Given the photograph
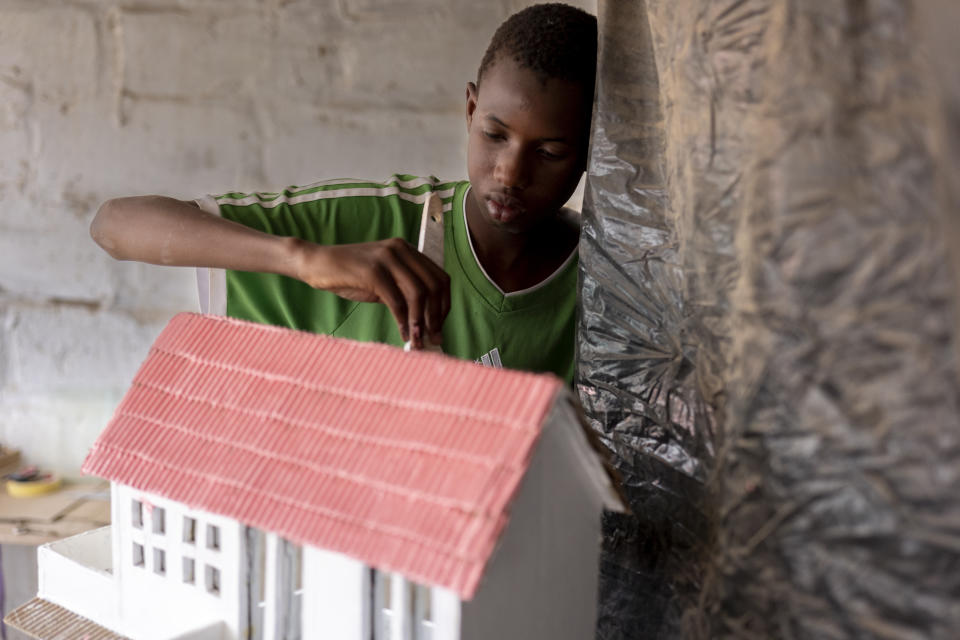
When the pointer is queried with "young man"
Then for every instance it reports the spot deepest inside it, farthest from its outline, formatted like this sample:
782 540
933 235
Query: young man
316 257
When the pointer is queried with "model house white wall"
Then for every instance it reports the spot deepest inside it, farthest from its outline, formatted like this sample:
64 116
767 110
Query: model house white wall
345 598
134 577
163 571
541 582
546 564
77 573
208 568
276 591
172 559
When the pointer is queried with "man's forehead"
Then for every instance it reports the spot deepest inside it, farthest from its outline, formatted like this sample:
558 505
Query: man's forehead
545 129
515 96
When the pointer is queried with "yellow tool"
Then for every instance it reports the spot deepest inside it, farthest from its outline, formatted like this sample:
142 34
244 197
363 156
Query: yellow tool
29 482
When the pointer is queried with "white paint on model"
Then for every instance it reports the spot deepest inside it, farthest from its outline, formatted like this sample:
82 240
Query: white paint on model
339 593
533 576
401 624
446 614
75 573
167 601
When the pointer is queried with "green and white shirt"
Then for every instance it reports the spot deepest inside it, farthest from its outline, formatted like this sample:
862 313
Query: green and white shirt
531 329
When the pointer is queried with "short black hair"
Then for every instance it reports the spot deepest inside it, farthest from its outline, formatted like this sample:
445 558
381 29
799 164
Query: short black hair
553 40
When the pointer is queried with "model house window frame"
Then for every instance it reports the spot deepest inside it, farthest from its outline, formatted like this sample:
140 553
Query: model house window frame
149 545
402 609
160 561
188 570
158 520
424 616
386 610
208 554
189 530
282 583
138 555
136 513
212 536
212 579
165 542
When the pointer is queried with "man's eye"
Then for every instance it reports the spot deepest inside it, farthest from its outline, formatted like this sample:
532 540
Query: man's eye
493 135
546 153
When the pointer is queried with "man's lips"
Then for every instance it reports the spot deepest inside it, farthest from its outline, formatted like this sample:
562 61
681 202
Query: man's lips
504 208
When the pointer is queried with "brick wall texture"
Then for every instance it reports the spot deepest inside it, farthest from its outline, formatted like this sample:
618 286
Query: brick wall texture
106 98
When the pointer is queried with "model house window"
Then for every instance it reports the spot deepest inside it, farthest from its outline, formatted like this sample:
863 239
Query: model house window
384 606
189 570
159 562
212 579
137 555
157 518
278 570
189 530
422 612
296 603
256 543
136 515
402 609
213 537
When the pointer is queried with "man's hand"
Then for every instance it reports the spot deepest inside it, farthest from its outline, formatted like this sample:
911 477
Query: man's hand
172 232
391 271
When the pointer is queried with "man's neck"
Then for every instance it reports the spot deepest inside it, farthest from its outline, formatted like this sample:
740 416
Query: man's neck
518 261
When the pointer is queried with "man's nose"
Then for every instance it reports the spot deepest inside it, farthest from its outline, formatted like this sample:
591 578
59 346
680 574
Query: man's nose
511 170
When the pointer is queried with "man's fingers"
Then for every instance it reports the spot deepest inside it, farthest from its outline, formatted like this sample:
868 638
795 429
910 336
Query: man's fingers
433 292
415 309
386 289
427 290
404 271
392 271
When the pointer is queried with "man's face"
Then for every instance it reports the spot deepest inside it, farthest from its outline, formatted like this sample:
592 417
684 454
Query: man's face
526 147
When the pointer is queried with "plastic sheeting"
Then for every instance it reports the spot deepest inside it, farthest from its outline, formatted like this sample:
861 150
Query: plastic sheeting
768 327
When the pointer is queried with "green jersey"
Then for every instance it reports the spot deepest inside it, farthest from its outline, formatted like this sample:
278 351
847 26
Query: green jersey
531 329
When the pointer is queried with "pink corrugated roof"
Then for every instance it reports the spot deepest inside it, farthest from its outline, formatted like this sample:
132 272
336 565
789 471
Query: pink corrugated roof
406 461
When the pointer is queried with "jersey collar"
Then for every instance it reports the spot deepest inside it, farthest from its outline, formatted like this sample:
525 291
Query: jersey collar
481 281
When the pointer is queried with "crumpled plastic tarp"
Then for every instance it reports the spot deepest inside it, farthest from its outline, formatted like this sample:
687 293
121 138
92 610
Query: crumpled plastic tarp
768 338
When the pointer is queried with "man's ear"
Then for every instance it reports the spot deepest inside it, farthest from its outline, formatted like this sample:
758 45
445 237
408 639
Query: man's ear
471 102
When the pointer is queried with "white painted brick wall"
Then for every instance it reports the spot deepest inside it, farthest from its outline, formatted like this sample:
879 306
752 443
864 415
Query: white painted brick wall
100 98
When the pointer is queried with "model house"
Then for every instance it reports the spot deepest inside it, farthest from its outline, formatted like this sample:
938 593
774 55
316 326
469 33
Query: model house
269 483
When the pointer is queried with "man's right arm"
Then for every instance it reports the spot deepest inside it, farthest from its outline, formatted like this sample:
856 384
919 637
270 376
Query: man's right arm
166 231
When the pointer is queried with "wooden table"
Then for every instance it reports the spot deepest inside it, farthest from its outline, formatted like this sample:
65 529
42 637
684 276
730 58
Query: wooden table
78 506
